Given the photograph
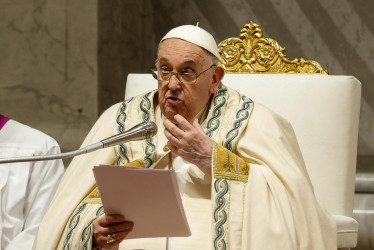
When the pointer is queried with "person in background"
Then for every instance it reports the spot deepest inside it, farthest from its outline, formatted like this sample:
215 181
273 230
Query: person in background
26 188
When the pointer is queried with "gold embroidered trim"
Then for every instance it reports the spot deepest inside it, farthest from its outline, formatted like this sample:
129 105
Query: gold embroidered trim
136 164
227 165
93 197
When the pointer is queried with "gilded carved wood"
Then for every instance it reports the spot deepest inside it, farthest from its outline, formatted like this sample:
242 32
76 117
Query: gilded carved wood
251 53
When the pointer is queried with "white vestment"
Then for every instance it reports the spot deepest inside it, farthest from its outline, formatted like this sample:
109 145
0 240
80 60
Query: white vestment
26 188
259 197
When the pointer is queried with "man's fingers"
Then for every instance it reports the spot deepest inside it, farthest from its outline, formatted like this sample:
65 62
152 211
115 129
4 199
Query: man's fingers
196 125
118 237
173 148
173 129
171 137
117 230
122 232
183 123
117 227
110 219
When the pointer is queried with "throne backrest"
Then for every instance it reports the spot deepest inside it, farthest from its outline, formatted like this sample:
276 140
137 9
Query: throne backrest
323 109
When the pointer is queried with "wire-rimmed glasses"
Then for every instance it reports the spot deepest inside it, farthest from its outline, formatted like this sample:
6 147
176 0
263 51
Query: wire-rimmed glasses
185 76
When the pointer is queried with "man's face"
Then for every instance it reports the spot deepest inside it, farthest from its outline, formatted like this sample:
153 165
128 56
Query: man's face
184 99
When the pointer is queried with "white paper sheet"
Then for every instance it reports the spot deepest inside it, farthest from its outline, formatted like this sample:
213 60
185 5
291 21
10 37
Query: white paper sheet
148 197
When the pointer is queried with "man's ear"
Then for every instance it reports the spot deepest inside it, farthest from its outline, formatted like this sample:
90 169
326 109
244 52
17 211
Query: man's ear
216 79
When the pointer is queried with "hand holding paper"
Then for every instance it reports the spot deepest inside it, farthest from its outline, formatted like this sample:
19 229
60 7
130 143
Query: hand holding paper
147 197
110 230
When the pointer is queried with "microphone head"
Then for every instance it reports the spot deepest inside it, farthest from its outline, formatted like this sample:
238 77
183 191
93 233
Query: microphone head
144 130
150 129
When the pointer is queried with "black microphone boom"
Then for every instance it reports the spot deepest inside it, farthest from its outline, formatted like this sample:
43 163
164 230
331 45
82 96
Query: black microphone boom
141 131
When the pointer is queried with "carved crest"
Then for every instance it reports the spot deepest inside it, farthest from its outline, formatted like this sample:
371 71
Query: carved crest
251 53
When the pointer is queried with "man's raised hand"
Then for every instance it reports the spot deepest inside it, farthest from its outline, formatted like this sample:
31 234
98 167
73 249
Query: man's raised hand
190 142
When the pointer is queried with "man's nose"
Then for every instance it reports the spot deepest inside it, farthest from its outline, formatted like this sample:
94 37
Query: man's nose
174 82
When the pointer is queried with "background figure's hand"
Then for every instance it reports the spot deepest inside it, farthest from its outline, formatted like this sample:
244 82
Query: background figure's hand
115 225
190 142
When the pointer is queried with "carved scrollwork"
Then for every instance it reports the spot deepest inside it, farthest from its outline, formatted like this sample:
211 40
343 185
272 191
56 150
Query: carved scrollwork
251 53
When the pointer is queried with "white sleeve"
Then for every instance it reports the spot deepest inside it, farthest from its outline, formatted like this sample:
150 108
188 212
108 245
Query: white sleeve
43 182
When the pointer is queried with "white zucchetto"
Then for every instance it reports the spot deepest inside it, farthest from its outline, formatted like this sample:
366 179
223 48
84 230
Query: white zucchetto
195 35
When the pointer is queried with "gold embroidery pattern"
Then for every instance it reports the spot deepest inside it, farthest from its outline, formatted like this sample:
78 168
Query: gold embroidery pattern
93 197
229 166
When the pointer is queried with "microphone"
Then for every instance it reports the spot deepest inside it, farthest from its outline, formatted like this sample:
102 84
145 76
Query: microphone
141 131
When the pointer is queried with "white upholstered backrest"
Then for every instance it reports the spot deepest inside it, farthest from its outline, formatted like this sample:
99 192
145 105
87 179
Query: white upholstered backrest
324 112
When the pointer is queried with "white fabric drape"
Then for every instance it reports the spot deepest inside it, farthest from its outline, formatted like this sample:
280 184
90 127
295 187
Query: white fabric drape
26 188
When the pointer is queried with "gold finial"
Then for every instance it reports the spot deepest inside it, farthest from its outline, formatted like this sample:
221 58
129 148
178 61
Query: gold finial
251 53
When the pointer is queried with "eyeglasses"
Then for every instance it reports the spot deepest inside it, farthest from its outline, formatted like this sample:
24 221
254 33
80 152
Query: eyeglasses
185 76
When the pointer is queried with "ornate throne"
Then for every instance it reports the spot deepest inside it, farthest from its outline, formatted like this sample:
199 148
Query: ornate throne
323 110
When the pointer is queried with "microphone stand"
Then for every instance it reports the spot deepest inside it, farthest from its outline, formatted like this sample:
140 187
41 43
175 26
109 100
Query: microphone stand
141 131
84 150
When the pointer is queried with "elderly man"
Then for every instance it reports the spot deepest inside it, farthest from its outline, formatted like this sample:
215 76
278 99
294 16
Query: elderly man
246 186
